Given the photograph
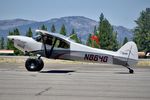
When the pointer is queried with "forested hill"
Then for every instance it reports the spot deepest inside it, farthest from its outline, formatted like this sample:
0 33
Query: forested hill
82 25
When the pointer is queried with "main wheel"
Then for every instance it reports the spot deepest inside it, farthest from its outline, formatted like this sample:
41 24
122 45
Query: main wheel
34 64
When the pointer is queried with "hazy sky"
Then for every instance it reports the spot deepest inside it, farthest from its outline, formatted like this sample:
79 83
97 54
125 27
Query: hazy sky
118 12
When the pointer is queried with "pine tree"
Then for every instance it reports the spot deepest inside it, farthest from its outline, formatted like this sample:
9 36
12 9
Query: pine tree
95 30
115 44
53 28
10 44
73 31
2 44
89 41
142 31
63 30
74 36
43 27
125 40
29 32
106 34
16 31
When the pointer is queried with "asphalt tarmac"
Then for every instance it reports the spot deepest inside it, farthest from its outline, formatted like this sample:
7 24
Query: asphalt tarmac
67 81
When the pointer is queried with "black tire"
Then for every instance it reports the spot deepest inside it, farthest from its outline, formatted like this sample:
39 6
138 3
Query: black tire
41 64
34 64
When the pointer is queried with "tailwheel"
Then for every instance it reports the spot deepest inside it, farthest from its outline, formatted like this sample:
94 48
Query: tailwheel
34 64
131 71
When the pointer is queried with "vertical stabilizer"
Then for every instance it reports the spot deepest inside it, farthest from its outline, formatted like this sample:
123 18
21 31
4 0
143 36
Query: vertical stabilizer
129 52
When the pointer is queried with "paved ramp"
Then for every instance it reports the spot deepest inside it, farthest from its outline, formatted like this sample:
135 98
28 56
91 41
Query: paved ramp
60 81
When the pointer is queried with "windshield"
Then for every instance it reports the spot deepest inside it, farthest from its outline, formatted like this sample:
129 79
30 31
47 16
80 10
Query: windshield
37 38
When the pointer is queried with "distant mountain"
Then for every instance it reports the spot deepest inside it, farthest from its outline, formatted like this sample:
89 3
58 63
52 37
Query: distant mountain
122 33
82 25
7 24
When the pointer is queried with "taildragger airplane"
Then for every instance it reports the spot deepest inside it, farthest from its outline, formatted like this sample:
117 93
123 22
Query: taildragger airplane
57 46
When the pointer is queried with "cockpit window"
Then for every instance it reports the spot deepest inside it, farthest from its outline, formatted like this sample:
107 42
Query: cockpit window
49 40
62 44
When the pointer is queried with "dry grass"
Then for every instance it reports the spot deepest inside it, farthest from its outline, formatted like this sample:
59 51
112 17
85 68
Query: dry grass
143 63
11 60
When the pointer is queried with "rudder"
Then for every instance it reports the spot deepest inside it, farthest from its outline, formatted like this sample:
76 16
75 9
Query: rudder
129 51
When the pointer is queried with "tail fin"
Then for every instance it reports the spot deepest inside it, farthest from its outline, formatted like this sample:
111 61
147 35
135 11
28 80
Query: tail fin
129 52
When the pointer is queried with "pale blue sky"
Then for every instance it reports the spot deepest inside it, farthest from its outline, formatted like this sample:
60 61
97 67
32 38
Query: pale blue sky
118 12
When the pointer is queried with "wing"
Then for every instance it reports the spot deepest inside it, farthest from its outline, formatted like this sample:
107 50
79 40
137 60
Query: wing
56 35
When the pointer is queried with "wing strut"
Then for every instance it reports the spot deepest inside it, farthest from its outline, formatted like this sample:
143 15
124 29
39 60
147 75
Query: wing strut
46 52
52 47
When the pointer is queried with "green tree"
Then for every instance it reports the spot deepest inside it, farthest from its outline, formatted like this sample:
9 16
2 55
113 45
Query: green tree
95 30
63 30
53 28
115 44
74 36
16 31
89 41
29 32
73 31
106 34
43 27
10 43
142 31
2 44
95 45
125 40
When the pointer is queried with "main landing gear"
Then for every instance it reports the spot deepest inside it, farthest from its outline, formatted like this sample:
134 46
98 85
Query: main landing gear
34 64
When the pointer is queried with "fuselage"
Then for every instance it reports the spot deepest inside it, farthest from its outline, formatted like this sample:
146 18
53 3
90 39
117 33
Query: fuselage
76 52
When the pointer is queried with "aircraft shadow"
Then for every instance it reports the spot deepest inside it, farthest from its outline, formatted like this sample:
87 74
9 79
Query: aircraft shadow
122 73
58 71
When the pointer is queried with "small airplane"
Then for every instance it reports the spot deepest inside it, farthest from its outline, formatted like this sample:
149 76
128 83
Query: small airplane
57 46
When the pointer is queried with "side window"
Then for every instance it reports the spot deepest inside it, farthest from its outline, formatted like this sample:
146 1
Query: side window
63 44
48 40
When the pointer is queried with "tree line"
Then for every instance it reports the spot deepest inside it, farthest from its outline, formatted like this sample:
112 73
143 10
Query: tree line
102 37
29 33
107 38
